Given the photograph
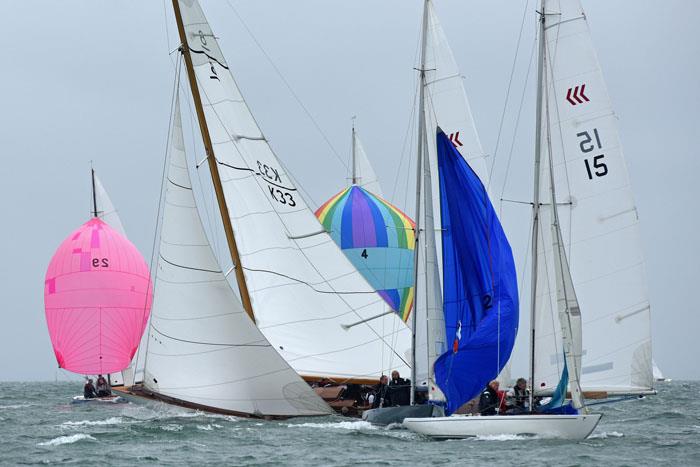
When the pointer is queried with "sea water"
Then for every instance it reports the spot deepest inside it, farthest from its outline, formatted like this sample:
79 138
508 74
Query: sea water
39 425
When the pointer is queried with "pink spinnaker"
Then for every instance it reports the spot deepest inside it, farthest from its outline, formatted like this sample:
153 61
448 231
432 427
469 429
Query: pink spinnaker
97 296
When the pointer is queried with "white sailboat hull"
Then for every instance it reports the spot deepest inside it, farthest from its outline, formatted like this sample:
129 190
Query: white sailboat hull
573 427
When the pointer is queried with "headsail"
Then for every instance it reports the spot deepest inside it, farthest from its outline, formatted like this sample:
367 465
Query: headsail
302 286
202 347
104 207
479 288
598 221
362 170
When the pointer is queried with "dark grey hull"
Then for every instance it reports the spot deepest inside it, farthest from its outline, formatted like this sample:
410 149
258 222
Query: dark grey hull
389 415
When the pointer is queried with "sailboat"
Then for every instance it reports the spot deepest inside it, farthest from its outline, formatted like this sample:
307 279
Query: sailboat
657 374
260 341
466 312
97 294
587 265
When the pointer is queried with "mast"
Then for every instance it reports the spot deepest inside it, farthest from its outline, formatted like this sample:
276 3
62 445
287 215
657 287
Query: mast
213 167
536 201
419 168
94 194
354 164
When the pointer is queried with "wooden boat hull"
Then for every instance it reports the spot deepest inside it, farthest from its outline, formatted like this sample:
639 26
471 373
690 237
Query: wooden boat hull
572 427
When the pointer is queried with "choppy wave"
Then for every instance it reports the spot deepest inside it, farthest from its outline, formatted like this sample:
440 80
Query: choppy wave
208 427
172 427
606 435
349 425
67 439
14 406
109 421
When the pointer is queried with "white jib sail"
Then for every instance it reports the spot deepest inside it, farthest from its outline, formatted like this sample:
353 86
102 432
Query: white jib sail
363 172
302 286
105 208
202 346
598 220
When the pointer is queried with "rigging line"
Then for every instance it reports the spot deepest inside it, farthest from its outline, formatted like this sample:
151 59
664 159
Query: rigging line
289 87
166 158
517 123
406 142
411 120
507 98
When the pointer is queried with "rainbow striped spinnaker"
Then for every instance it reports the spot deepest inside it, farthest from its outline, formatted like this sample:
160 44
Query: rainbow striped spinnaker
378 239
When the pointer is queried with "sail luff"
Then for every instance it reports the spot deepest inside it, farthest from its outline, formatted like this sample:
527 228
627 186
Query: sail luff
213 165
568 307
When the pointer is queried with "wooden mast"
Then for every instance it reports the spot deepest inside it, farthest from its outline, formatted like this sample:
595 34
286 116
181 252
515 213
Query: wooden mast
213 166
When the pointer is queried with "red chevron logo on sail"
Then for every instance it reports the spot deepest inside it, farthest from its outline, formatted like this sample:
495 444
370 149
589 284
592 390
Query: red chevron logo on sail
576 96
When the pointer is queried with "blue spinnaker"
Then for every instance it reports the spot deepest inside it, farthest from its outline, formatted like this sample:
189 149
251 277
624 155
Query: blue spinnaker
480 289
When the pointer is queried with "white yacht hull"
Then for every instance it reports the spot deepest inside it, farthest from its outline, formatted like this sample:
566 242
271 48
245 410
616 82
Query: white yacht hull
573 427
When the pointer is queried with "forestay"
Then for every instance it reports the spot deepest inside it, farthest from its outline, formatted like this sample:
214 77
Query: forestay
598 220
202 346
302 286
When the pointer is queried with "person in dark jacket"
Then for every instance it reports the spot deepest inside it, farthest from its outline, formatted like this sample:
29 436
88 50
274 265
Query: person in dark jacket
382 394
89 390
103 389
400 389
489 400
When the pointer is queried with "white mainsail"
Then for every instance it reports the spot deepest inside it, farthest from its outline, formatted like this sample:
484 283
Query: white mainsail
362 172
302 286
202 346
597 218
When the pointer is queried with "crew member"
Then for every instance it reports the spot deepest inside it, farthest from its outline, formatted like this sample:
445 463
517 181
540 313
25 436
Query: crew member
382 396
400 389
89 390
103 389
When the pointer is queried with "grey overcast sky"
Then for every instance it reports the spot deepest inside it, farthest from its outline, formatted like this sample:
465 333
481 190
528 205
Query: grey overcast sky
86 80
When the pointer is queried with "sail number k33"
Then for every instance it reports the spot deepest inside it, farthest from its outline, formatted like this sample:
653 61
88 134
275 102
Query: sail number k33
595 165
